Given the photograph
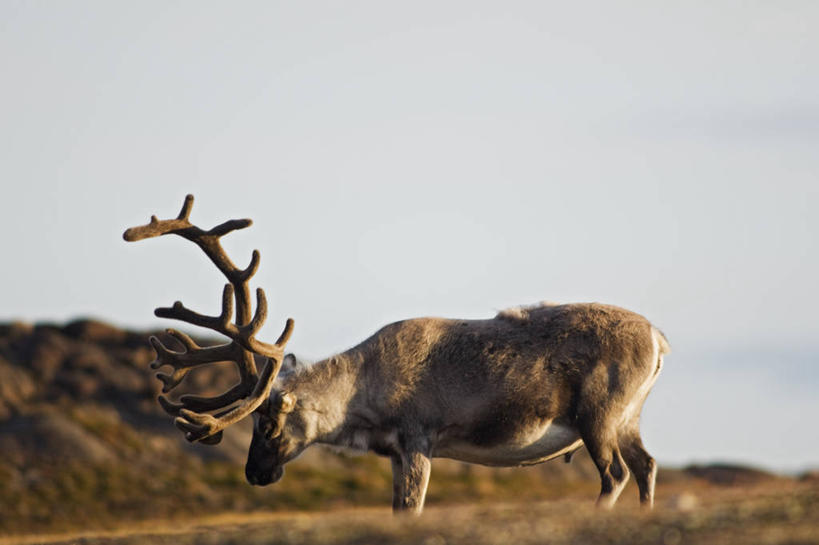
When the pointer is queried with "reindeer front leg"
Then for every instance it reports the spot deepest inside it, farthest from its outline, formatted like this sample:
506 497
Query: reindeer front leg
414 478
397 483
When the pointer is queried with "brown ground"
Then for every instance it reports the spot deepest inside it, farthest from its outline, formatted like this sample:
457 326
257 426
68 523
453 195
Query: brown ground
786 513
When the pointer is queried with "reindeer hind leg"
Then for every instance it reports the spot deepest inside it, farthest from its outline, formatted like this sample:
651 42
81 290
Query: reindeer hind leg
602 445
641 464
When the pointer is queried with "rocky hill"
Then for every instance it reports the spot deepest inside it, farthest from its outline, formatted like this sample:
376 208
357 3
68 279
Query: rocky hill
84 442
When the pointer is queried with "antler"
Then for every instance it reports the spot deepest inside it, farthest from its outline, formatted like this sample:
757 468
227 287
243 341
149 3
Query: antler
192 412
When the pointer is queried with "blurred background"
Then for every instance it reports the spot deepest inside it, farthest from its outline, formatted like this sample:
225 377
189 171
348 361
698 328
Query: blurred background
438 158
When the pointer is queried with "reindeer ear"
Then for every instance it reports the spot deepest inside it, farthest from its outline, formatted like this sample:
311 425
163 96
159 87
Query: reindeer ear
288 402
289 365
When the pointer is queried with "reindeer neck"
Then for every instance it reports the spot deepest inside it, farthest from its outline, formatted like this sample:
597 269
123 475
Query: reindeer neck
324 391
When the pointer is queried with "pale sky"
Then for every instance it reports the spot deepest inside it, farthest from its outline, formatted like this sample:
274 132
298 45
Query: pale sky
439 158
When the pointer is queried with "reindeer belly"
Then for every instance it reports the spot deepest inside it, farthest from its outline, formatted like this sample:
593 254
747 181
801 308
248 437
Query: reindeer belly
530 446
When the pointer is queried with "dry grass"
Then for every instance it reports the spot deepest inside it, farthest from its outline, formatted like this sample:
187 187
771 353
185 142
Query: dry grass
762 514
60 497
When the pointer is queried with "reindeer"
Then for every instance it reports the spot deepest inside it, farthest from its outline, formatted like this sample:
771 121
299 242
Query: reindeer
529 385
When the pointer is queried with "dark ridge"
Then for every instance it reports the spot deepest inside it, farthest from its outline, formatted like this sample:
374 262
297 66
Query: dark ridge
729 474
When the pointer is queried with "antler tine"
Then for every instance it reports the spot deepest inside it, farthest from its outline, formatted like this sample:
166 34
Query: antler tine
169 406
201 404
190 344
286 332
251 269
187 206
229 226
182 362
193 355
157 227
220 323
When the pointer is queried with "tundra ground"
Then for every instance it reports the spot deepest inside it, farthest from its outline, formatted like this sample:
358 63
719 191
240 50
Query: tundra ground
758 514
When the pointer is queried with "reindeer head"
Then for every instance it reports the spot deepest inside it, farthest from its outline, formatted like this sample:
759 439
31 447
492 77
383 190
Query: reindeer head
279 430
277 438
